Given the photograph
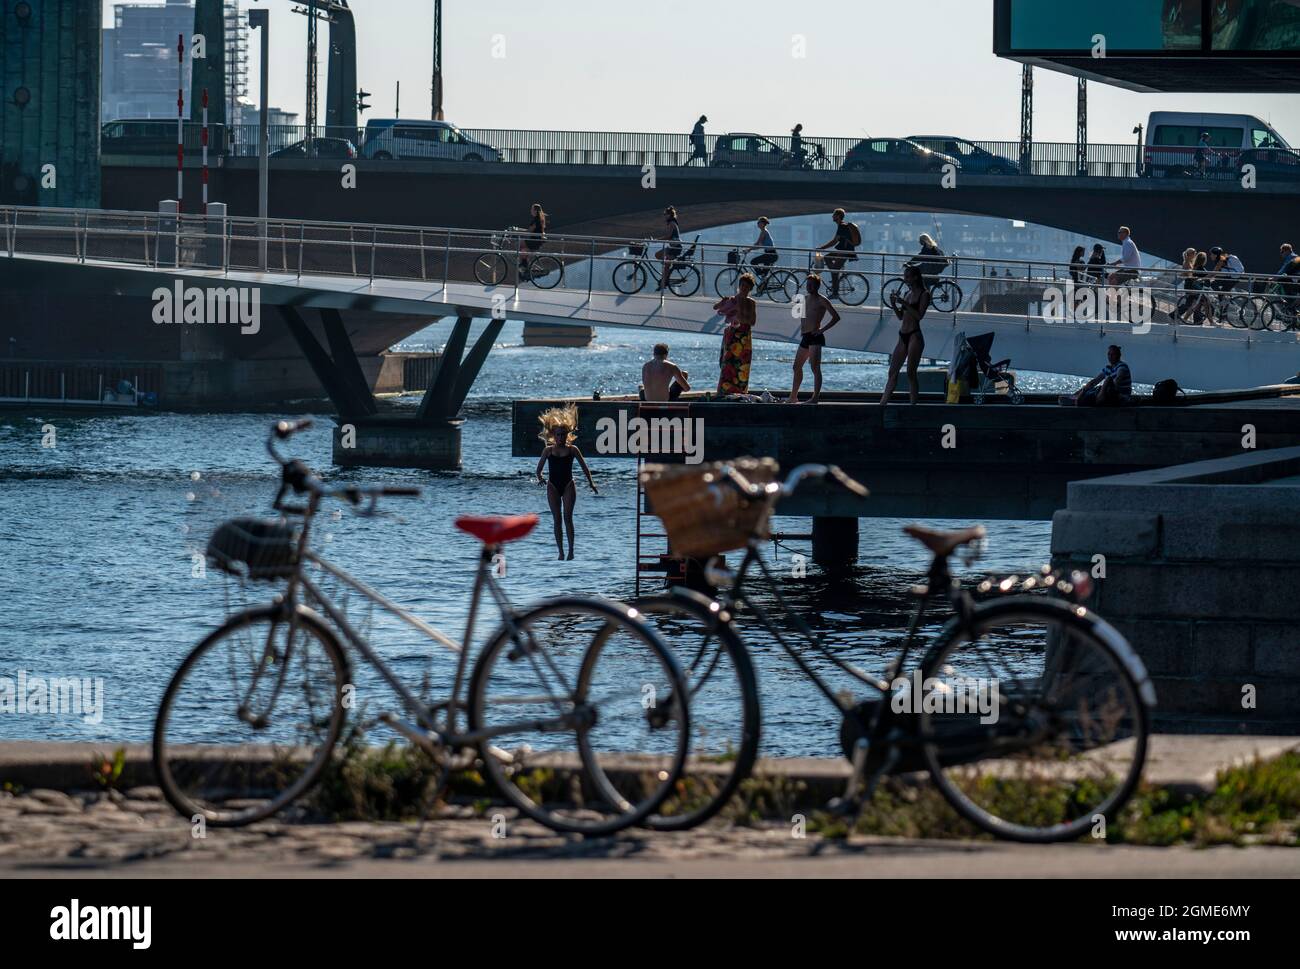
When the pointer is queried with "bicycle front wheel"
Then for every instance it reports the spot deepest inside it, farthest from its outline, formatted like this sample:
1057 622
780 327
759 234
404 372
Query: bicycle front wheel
545 272
629 277
726 282
782 286
581 716
893 287
250 717
1035 719
684 281
945 296
490 269
725 719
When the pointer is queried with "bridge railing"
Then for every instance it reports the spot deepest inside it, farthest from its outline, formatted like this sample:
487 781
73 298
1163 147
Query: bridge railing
437 256
775 152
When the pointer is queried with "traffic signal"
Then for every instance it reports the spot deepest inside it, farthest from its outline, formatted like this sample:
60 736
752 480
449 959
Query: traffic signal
361 101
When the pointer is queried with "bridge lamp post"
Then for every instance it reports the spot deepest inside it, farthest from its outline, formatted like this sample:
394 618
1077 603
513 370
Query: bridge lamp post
261 19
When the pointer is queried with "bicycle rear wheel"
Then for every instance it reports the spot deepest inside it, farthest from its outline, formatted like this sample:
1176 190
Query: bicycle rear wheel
1067 710
250 717
725 720
854 289
684 281
545 272
945 296
582 714
490 269
629 277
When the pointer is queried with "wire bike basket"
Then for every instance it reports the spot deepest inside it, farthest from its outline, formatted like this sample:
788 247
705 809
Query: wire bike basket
703 514
254 549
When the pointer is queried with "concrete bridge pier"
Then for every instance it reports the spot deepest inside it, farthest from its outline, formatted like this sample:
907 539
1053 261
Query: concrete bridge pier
835 542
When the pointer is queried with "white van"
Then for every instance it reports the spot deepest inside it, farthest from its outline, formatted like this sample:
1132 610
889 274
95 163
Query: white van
1173 138
389 138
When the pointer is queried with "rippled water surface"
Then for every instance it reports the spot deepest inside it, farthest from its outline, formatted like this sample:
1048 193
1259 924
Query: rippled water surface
97 536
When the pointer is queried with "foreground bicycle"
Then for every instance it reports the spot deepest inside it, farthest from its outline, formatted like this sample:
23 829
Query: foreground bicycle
1032 715
492 268
251 718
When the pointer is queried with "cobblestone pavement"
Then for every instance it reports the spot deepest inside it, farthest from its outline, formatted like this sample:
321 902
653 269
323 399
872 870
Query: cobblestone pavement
135 832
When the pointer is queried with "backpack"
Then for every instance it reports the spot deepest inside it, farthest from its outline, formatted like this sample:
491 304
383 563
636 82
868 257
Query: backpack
855 234
1166 393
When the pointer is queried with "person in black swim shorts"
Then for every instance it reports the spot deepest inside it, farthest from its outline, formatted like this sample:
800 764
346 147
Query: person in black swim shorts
815 308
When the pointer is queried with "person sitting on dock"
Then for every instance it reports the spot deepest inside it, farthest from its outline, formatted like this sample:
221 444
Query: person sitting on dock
1112 387
816 306
661 379
559 431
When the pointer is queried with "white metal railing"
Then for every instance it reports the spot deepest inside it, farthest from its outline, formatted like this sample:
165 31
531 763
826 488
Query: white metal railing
610 265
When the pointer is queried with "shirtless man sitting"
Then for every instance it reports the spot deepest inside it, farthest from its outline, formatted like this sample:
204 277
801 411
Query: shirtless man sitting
661 379
816 306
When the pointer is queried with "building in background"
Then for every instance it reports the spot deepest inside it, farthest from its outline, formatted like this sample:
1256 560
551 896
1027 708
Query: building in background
49 113
140 61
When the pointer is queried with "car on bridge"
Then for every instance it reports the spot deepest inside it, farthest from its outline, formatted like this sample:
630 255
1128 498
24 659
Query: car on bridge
155 136
895 155
975 160
748 150
391 138
318 148
1273 164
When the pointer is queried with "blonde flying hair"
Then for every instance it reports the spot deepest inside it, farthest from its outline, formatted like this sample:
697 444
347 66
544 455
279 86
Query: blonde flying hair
565 417
925 239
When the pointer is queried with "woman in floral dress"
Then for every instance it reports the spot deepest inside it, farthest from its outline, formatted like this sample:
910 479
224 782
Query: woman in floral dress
741 312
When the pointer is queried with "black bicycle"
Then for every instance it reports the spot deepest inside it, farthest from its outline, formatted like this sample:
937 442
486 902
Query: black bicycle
777 284
1030 712
633 274
492 268
945 294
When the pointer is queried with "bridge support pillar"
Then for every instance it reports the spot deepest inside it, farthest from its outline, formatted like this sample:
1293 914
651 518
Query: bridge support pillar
835 542
398 443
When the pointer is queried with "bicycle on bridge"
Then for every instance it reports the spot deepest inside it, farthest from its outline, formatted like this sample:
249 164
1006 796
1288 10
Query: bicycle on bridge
945 294
252 718
492 268
632 274
1058 735
777 284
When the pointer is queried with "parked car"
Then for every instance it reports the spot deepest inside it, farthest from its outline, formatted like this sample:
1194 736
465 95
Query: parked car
747 150
319 148
1173 138
390 138
895 155
974 159
156 136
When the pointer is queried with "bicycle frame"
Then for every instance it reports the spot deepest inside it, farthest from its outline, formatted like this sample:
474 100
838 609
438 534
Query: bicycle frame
426 716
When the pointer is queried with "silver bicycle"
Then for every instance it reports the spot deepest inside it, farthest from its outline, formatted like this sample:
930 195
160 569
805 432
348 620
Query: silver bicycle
573 707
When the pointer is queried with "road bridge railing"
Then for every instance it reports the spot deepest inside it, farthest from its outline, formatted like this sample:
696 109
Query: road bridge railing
776 152
437 256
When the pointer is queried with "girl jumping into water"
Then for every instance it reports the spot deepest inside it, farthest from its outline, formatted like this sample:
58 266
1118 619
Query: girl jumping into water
559 431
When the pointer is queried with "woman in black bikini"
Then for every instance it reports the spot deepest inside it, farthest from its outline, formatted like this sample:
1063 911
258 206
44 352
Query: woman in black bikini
910 308
559 431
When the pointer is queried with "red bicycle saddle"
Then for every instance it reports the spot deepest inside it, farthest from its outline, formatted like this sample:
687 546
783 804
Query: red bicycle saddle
497 531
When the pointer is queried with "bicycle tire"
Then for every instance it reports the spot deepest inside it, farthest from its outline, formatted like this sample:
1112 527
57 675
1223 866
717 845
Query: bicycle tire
689 285
892 287
946 296
726 282
1229 310
858 289
782 286
706 785
600 807
545 272
1110 647
629 277
491 269
164 770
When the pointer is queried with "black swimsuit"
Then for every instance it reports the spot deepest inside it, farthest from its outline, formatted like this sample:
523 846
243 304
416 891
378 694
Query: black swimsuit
561 471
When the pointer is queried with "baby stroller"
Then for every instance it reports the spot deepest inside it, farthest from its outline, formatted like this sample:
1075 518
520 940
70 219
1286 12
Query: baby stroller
986 377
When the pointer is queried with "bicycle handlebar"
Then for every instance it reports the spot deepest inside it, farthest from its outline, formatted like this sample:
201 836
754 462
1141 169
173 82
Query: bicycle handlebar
297 477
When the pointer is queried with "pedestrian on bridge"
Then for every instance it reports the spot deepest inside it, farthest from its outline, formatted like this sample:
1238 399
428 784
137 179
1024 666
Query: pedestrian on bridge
699 144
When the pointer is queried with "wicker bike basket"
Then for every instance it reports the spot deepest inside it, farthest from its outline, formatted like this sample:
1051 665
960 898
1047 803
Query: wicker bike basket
703 514
263 551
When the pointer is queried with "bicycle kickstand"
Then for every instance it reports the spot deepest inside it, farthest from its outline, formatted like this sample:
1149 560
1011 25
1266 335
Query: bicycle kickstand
861 786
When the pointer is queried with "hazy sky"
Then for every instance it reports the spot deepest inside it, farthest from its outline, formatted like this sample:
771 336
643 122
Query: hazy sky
883 67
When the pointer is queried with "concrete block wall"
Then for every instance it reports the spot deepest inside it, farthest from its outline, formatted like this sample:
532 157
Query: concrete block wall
1202 574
